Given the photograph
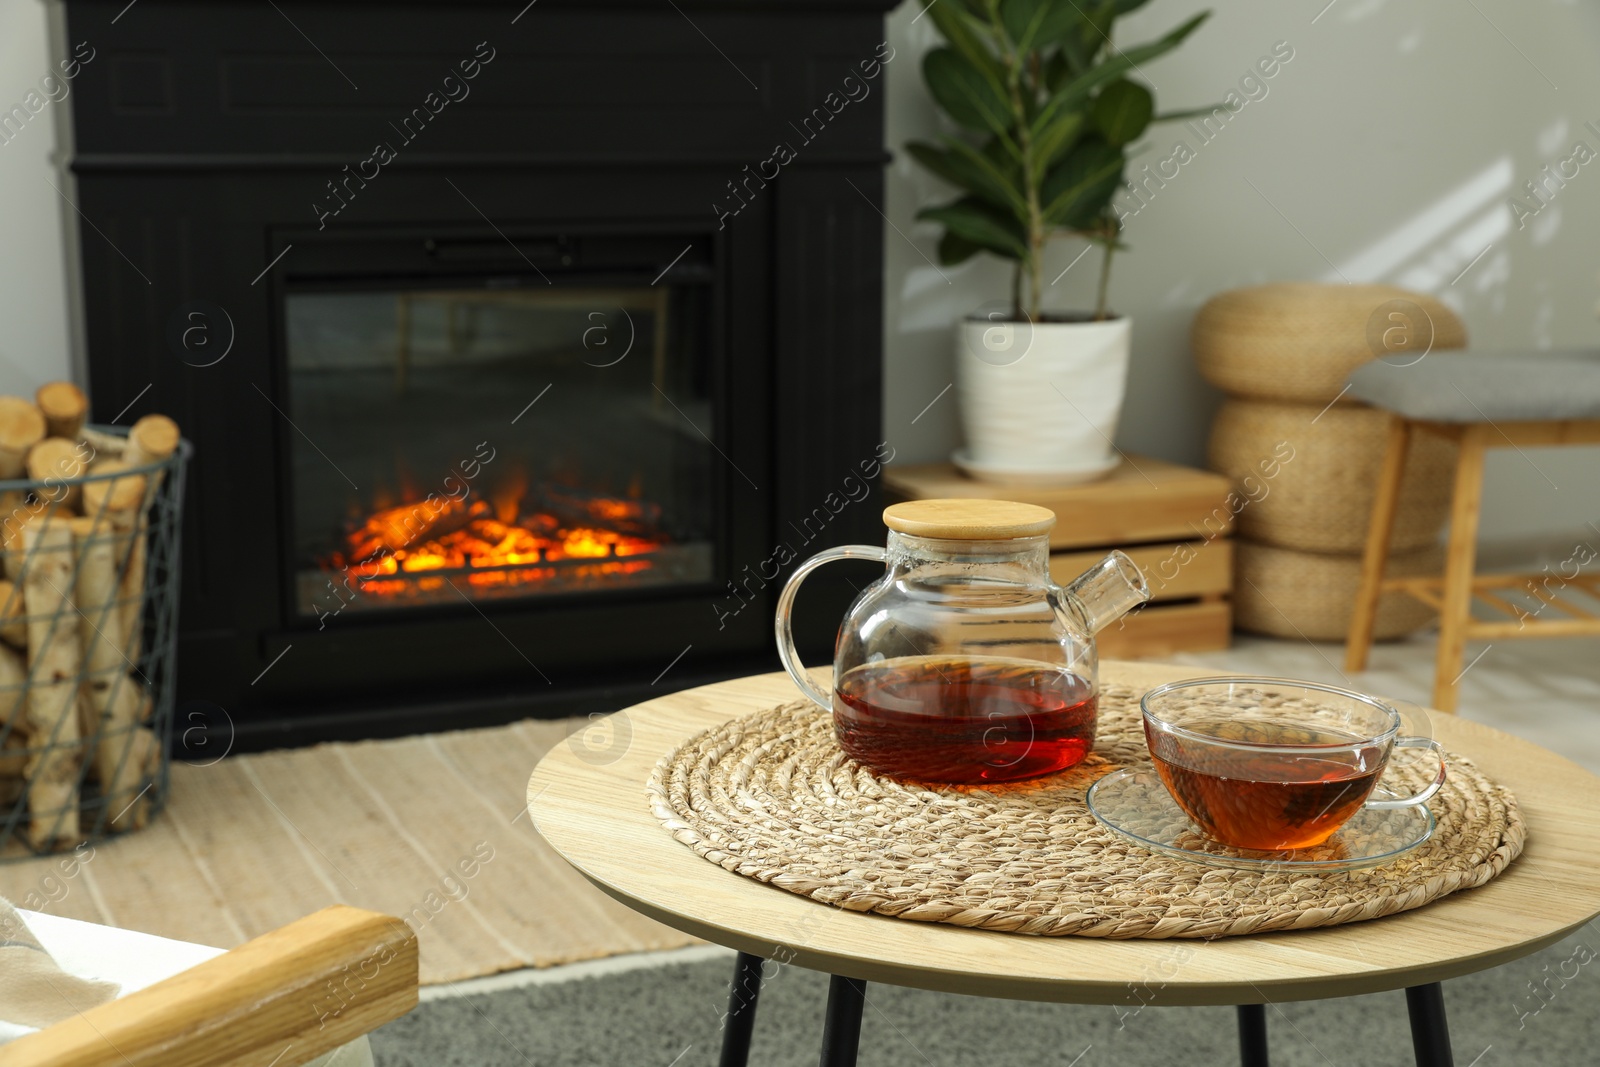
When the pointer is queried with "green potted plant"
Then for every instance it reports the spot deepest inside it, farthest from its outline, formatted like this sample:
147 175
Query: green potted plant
1048 107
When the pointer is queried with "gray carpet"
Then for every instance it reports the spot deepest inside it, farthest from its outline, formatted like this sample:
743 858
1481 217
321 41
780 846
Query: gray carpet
669 1017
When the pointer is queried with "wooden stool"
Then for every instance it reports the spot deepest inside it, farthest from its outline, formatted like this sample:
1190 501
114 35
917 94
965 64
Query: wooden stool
1481 402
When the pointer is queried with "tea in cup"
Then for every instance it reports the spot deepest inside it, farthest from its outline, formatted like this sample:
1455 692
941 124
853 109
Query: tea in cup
1268 763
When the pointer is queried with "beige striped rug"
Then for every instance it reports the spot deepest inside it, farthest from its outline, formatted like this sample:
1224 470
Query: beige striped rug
431 828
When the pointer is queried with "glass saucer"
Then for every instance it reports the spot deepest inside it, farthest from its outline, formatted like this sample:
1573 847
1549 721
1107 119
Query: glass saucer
1135 804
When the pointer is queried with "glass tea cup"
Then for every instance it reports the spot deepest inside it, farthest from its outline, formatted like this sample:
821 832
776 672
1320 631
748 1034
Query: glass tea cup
1270 763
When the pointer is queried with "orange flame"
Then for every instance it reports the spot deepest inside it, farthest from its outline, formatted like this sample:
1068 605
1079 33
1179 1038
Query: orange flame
394 549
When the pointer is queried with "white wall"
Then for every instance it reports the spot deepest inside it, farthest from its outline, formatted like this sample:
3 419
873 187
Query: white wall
34 337
1390 142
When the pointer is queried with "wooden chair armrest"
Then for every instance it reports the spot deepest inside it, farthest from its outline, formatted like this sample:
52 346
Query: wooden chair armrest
281 1000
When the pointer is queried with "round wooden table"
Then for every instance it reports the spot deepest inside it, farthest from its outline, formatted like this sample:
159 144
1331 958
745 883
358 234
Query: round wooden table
587 798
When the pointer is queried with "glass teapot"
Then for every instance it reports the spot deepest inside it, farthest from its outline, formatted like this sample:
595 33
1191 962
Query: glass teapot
965 662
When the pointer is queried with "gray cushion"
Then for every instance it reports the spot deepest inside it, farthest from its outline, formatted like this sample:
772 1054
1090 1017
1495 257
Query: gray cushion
1485 386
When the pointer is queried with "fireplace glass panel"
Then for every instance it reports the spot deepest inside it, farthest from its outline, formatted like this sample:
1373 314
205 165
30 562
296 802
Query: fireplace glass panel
484 442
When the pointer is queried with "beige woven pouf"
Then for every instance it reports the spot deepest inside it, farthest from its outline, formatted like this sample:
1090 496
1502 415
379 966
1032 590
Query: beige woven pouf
1320 500
1283 352
1300 340
771 796
1284 593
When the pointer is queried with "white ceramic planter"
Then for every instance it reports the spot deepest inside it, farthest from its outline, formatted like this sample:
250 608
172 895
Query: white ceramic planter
1040 402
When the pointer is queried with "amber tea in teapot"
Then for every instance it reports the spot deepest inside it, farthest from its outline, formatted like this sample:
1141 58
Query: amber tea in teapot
953 719
965 662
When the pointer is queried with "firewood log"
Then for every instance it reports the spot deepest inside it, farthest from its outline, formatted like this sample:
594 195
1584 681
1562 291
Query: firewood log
11 502
134 758
13 505
12 628
118 503
119 754
11 542
112 494
13 523
64 406
13 751
152 438
57 461
105 445
96 587
12 760
51 704
21 427
88 718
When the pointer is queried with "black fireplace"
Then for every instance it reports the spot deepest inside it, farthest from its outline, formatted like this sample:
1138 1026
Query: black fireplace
524 349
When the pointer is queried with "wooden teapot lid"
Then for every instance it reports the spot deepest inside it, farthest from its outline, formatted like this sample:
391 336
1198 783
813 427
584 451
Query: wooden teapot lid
968 520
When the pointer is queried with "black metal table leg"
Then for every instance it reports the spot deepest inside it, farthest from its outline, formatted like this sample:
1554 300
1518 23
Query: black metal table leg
740 1021
1430 1031
1253 1035
841 1032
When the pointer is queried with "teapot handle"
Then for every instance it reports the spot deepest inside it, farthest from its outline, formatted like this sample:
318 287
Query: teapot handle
785 630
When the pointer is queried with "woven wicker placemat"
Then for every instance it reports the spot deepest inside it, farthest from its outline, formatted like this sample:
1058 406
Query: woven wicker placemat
770 795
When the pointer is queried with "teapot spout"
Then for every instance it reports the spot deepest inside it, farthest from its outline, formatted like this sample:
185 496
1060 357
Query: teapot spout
1104 593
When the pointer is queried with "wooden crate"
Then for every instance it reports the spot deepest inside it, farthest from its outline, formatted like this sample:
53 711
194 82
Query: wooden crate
1173 521
1142 501
1157 630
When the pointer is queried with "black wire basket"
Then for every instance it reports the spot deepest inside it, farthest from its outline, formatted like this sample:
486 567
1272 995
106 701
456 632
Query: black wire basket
88 636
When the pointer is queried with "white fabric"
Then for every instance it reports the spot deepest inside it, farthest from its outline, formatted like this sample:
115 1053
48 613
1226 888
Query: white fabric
134 961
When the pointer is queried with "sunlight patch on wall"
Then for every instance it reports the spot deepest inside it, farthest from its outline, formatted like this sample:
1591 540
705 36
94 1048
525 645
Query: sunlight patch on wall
1444 263
1480 196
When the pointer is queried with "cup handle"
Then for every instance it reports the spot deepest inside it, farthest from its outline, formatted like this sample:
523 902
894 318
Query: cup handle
786 650
1433 786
